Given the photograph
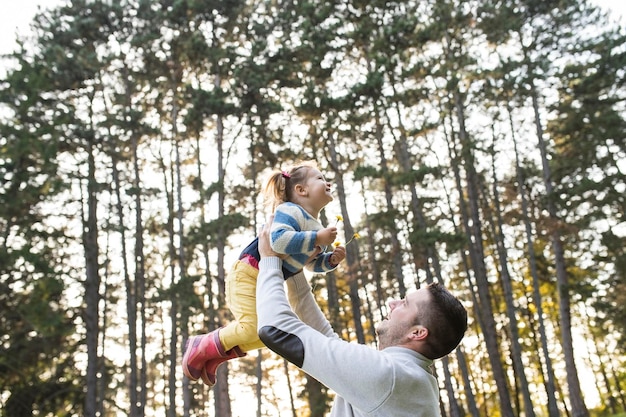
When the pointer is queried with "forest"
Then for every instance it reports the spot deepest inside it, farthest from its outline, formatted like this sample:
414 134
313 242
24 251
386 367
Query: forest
479 143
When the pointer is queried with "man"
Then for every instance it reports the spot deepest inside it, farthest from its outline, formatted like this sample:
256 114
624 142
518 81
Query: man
394 381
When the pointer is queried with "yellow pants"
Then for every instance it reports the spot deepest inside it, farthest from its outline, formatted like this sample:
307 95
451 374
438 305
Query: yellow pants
241 299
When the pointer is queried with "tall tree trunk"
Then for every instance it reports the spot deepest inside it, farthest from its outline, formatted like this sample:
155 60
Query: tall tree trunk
169 181
92 283
396 261
507 289
138 287
131 300
134 388
593 347
176 216
618 381
140 268
422 256
104 379
455 167
352 255
140 290
550 384
467 383
473 226
425 257
259 383
292 405
455 409
210 310
222 396
373 264
579 409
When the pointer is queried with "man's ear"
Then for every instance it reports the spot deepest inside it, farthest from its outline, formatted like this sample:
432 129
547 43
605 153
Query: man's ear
419 333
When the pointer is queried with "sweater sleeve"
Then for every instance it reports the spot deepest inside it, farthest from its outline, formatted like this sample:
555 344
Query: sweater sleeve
321 264
304 305
332 361
287 234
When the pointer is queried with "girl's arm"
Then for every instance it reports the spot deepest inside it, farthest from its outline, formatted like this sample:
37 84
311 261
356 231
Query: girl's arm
287 235
304 305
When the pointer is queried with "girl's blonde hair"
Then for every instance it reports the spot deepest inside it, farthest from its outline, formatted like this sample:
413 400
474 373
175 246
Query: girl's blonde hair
280 185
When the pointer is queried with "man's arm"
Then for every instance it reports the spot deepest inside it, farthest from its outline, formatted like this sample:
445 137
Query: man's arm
332 361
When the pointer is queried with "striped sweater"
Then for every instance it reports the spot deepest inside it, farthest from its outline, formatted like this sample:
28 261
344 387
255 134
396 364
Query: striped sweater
293 233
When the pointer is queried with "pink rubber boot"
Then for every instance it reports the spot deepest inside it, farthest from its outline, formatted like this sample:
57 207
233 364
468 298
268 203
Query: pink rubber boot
203 354
210 367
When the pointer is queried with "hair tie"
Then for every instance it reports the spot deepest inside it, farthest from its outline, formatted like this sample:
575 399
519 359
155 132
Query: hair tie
285 174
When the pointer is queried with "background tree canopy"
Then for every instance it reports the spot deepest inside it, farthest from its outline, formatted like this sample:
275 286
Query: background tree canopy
477 143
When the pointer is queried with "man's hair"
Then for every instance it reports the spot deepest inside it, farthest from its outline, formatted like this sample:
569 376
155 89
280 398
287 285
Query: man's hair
446 321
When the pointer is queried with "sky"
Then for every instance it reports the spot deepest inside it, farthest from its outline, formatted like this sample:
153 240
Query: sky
16 16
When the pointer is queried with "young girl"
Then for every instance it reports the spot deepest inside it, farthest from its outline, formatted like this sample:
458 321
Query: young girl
296 196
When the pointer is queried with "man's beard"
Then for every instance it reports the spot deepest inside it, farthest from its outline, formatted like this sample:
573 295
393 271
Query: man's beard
390 335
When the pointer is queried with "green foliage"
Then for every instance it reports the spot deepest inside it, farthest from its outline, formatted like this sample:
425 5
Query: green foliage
206 103
383 220
207 233
412 177
612 305
428 238
362 172
37 369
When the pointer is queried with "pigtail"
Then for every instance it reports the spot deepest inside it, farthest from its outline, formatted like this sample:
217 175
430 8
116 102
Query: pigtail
275 190
279 185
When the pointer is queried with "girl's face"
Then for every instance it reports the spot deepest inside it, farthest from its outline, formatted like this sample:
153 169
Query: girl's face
319 190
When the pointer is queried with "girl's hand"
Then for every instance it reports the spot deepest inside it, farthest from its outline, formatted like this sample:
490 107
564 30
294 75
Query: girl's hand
316 252
339 254
326 236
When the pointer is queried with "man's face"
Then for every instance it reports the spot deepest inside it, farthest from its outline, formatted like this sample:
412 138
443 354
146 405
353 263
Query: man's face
397 327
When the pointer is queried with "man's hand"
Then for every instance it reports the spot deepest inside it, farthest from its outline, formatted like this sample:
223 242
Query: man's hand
265 249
